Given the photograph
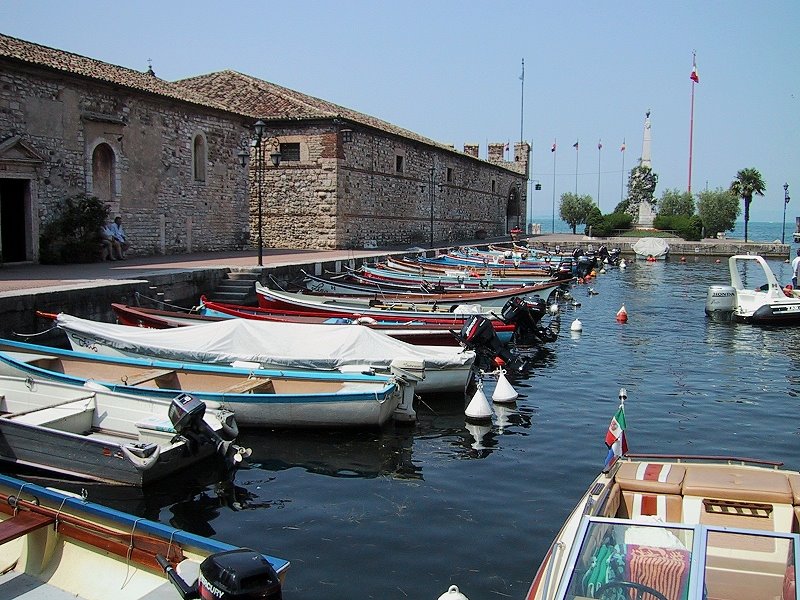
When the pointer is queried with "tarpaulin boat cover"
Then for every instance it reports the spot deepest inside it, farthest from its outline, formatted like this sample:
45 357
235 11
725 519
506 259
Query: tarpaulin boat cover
273 344
655 247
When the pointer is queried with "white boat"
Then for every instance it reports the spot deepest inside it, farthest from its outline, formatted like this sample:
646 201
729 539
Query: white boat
753 296
101 435
56 546
673 528
651 248
276 345
258 397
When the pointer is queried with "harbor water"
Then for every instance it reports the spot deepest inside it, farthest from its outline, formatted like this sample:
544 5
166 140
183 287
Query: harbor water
407 511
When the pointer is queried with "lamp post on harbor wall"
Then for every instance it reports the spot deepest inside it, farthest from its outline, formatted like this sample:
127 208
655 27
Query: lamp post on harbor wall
785 202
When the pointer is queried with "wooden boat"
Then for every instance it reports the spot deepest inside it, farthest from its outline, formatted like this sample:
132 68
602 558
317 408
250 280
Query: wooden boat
481 302
93 433
500 272
54 545
258 397
275 345
465 282
761 300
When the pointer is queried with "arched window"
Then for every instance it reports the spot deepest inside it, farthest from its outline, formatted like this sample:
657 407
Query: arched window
103 173
199 157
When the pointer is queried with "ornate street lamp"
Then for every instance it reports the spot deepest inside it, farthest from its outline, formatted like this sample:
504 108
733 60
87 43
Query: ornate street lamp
785 202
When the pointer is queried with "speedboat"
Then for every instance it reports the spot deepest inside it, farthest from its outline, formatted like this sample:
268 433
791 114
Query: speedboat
655 527
754 295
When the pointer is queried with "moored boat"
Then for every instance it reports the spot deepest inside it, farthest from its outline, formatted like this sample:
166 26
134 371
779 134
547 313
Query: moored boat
258 397
651 248
93 433
56 545
753 296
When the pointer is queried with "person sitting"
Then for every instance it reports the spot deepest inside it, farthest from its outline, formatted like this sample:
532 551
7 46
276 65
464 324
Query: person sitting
118 235
106 242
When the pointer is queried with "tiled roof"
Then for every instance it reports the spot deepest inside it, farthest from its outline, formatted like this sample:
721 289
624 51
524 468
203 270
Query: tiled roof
81 66
264 100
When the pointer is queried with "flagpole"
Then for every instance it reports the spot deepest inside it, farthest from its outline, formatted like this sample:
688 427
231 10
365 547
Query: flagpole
599 150
522 100
577 149
691 118
554 185
622 178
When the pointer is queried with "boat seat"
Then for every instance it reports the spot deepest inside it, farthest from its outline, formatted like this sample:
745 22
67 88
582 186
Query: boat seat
731 484
146 376
794 483
22 524
251 385
667 507
654 478
74 417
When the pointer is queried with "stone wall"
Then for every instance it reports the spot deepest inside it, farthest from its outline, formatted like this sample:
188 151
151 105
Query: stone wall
153 185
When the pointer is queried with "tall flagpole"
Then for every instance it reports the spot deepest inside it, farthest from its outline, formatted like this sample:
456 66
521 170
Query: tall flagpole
553 150
522 100
576 146
622 178
695 79
599 149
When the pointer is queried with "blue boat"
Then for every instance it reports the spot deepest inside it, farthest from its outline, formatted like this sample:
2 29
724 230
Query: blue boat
56 545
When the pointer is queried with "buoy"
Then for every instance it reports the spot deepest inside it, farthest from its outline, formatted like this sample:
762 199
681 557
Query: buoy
453 594
603 271
554 310
683 259
623 264
717 261
503 391
576 325
622 315
593 292
479 408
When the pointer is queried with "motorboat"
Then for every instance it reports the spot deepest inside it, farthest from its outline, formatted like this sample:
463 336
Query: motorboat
275 345
258 397
54 544
753 296
678 527
92 433
651 248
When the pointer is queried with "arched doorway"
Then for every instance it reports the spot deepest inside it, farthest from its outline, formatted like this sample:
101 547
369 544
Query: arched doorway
103 160
512 209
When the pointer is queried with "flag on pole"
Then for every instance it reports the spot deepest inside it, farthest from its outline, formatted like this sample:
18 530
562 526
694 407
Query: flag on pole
575 145
622 148
615 436
694 76
599 144
522 76
553 147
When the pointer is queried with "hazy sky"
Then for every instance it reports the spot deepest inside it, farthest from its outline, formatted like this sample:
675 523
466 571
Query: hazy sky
450 70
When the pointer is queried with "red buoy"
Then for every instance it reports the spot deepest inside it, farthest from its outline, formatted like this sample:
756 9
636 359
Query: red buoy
622 315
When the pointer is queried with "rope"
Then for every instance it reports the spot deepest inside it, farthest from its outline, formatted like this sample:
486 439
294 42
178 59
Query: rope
30 335
161 302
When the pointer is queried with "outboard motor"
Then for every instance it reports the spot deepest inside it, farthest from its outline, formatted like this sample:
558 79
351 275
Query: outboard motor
186 415
720 302
526 315
478 334
239 574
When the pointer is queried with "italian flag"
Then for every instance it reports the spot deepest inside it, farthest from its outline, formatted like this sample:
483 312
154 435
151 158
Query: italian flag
615 437
694 76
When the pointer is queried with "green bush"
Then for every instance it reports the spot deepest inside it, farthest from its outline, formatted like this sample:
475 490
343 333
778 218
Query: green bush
610 223
73 236
689 228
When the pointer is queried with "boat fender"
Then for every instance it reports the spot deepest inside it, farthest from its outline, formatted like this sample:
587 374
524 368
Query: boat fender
143 456
230 429
453 593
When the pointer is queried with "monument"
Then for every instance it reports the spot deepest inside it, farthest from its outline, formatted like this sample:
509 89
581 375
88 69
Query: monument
645 174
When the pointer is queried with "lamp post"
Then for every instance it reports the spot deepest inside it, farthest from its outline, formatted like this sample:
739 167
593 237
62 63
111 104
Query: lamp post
785 202
432 194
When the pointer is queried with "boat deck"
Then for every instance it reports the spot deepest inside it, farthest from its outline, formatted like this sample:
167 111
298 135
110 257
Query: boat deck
21 586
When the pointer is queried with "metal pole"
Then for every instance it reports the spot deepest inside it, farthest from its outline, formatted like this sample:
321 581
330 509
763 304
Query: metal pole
432 197
785 202
260 202
554 186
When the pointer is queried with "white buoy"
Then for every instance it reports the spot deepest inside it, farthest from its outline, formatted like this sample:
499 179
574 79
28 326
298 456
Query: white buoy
554 309
503 391
479 408
453 594
478 430
623 264
576 325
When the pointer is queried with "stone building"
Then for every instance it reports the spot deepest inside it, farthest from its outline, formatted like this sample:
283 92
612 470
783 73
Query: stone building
167 157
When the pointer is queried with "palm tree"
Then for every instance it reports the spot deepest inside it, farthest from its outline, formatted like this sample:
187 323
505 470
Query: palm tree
747 183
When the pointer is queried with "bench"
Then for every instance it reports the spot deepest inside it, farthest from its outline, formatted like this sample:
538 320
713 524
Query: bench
251 385
74 417
21 524
145 376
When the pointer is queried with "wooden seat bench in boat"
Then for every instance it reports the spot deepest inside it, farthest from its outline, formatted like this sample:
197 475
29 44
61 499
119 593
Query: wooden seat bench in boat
251 384
22 524
146 376
73 417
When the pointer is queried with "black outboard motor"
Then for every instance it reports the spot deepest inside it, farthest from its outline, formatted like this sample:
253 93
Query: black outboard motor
186 415
239 574
478 334
526 314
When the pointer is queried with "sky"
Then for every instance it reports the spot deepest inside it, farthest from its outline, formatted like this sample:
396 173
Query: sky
450 70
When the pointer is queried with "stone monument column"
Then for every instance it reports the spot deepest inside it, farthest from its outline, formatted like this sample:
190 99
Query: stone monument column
646 215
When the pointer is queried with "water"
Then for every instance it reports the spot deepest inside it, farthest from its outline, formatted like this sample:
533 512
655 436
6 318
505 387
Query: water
757 231
408 511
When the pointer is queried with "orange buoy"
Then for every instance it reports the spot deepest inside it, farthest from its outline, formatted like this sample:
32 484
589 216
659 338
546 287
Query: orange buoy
622 315
683 259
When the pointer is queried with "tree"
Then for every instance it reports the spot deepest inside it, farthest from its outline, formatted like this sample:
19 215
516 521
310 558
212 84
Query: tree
73 235
747 183
641 188
675 202
718 210
574 210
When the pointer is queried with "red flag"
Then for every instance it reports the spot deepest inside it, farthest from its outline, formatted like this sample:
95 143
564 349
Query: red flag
622 148
553 148
599 145
694 76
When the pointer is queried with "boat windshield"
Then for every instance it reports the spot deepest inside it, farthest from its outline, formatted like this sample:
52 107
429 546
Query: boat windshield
615 559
